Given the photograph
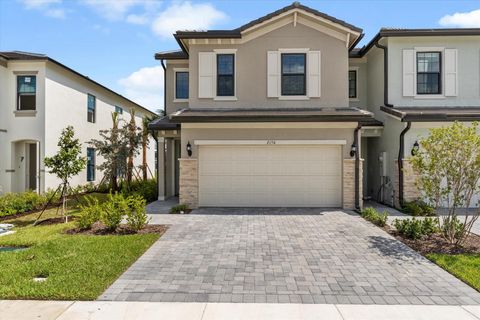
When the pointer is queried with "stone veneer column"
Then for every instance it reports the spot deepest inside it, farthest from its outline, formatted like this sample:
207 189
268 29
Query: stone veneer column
189 182
410 189
349 184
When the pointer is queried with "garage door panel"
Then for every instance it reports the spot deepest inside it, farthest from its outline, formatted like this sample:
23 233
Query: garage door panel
279 175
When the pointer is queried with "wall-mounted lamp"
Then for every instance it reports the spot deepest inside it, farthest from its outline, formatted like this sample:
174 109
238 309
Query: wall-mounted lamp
353 150
189 149
415 148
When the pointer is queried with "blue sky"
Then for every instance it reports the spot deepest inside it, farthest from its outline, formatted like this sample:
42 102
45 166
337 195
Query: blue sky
113 41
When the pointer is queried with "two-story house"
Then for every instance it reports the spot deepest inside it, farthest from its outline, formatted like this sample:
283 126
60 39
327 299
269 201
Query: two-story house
284 111
39 97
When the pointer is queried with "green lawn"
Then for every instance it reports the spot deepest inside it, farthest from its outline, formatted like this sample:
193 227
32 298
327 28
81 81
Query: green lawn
78 267
464 266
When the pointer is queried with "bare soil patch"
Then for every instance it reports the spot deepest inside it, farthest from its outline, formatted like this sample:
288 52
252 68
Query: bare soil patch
98 229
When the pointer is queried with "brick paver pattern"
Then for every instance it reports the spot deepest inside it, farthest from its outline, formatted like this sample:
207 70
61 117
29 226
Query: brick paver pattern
283 256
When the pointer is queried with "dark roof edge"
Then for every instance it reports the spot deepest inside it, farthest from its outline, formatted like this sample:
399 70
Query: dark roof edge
269 118
428 117
171 55
385 33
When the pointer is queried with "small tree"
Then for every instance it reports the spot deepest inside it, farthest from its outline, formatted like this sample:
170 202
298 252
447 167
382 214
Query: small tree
132 137
67 162
113 148
448 168
146 133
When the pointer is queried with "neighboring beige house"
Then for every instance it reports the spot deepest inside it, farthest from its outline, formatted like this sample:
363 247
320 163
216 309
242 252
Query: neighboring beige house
38 98
286 112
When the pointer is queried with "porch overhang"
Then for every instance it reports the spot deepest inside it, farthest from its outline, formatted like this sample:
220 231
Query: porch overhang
434 114
320 114
163 123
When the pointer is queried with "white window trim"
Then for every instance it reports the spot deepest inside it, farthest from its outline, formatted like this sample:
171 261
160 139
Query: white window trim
356 69
442 75
293 50
175 70
226 51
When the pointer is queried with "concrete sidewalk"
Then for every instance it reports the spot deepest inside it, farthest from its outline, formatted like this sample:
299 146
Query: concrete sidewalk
105 310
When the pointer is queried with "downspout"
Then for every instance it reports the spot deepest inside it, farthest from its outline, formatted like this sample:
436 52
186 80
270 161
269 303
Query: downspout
385 73
401 152
401 149
356 141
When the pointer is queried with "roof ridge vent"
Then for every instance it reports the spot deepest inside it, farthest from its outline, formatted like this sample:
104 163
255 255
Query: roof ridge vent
296 4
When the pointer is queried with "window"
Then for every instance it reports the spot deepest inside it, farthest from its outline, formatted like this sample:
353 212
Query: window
428 73
91 105
90 164
26 92
225 75
352 84
181 85
118 110
293 74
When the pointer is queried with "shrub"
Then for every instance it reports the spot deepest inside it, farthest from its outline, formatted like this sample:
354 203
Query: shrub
454 224
181 208
13 203
148 189
114 210
418 208
372 215
89 213
137 217
416 228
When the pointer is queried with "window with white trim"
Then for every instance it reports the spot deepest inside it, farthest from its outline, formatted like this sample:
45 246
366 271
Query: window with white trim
181 85
294 82
429 73
225 75
26 92
352 84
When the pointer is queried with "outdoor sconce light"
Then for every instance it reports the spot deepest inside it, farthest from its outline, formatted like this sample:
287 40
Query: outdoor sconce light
353 150
415 148
189 149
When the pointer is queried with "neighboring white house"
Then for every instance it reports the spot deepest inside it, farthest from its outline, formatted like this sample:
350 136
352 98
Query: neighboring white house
38 98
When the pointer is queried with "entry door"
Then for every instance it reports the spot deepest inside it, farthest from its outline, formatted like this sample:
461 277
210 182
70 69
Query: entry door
32 166
270 176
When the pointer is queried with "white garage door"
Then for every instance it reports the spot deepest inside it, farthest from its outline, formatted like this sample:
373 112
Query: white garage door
270 176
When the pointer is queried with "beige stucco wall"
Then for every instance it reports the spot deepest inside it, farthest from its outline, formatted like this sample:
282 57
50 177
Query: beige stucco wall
190 135
172 105
468 69
251 69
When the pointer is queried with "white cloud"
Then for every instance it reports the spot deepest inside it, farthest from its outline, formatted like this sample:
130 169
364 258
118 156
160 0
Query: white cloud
115 10
140 19
462 19
145 86
49 7
186 16
37 4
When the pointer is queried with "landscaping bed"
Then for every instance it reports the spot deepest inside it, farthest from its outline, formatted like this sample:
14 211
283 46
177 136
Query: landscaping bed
59 265
123 229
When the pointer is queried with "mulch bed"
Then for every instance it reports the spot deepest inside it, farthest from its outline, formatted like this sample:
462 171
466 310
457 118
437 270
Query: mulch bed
437 244
98 229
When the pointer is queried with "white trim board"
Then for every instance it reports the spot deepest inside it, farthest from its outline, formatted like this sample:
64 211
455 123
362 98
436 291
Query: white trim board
269 142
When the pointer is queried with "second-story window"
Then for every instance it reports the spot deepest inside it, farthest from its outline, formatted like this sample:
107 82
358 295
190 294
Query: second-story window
352 84
429 73
225 75
26 92
181 85
293 74
91 106
118 110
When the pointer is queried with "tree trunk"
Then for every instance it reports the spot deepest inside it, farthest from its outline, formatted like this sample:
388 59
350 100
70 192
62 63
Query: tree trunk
144 157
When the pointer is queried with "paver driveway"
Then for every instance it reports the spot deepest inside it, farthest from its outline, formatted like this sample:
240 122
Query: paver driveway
286 256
